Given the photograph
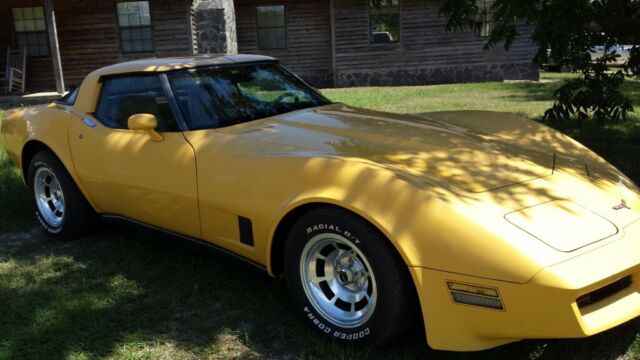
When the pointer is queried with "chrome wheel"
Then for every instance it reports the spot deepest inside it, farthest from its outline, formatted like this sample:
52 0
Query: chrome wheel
49 196
338 280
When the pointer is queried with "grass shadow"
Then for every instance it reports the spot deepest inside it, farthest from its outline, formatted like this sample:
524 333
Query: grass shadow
15 210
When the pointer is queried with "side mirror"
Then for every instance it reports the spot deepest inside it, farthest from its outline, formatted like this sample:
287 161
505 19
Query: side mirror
147 123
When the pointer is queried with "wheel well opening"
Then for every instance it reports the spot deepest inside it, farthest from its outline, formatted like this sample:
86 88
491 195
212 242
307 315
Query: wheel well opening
281 233
280 239
28 152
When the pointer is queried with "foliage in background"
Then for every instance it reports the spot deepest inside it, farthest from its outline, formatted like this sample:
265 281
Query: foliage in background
595 93
567 32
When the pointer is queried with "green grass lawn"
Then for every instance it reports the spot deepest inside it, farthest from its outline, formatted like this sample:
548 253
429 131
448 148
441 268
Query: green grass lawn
526 98
129 295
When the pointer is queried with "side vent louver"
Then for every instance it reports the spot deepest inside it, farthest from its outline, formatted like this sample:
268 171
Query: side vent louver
246 231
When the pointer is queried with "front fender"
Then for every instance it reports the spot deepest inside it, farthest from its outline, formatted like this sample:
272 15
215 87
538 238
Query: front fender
428 226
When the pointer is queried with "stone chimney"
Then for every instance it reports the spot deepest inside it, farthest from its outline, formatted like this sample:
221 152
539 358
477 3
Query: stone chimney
214 27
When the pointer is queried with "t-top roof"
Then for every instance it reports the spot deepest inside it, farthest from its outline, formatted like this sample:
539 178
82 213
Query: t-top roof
176 63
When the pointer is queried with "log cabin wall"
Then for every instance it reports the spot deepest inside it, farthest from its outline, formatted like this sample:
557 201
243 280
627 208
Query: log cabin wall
89 39
308 37
425 54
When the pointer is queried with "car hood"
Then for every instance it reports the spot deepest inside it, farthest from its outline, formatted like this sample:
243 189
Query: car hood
465 157
469 156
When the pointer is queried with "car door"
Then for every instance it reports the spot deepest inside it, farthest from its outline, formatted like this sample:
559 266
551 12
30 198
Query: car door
128 173
221 105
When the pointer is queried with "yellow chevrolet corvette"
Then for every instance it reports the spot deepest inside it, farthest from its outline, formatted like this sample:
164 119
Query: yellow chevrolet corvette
489 227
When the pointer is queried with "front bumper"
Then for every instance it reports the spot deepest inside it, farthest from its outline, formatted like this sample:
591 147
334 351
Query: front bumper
545 307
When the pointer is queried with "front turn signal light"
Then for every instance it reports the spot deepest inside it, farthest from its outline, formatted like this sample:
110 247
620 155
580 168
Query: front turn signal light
475 295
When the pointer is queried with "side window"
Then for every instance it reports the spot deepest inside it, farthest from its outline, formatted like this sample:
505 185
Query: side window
134 23
31 30
483 23
271 27
384 21
122 97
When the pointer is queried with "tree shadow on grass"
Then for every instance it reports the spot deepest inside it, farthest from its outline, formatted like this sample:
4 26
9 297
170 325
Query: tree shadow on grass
14 202
531 91
543 91
120 288
125 294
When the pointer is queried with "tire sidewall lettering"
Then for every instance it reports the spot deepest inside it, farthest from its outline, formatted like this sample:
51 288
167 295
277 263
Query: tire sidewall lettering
341 334
53 230
328 227
48 228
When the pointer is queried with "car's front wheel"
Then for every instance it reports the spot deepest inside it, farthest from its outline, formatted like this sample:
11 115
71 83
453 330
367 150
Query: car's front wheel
346 279
60 207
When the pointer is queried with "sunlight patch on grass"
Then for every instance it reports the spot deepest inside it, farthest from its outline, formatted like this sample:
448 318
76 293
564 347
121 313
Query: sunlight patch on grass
136 346
233 344
15 274
120 284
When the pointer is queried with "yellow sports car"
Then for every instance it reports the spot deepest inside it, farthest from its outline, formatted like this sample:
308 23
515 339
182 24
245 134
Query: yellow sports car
490 227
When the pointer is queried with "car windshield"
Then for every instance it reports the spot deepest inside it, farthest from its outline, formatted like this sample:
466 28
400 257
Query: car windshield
211 98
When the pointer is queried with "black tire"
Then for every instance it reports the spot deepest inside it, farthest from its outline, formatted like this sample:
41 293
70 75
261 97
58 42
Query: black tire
78 216
395 303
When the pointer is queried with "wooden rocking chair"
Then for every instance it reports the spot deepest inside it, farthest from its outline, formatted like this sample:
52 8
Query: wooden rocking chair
13 79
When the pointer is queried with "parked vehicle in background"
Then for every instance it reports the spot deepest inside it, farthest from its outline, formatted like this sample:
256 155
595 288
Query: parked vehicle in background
381 36
596 53
622 50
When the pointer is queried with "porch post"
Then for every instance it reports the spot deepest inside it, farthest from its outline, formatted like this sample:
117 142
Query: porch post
332 20
53 42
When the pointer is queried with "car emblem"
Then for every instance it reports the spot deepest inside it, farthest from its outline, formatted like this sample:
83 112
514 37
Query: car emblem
623 205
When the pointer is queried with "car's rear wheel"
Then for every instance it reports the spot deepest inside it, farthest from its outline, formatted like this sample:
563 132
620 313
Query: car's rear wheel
60 207
346 278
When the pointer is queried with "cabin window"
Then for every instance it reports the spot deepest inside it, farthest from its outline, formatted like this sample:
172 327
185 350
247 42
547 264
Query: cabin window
134 23
212 98
124 96
31 30
484 18
271 27
384 21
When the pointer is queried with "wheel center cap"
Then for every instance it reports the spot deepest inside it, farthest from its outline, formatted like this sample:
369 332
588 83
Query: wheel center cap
345 276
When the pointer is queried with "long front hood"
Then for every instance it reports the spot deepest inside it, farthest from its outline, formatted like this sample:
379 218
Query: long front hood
426 147
513 168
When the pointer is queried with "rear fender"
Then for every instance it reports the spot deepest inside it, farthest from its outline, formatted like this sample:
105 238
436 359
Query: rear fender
27 130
